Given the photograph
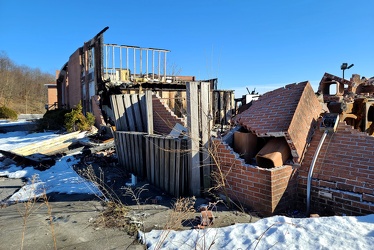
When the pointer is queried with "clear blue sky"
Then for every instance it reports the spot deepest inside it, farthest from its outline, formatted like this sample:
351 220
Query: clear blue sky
245 43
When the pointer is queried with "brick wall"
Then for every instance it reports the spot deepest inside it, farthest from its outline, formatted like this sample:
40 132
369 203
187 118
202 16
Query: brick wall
99 120
62 88
52 94
344 170
305 116
329 77
74 78
264 190
163 118
287 111
272 112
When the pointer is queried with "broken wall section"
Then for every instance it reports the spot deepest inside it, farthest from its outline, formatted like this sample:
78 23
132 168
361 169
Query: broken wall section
303 122
343 178
265 190
353 100
164 118
287 113
278 127
74 76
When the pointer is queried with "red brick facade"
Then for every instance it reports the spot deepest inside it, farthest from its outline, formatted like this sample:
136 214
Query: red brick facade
163 118
52 94
75 91
265 190
304 117
344 170
288 112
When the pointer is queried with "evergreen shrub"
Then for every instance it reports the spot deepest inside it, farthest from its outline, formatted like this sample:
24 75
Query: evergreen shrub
75 120
7 113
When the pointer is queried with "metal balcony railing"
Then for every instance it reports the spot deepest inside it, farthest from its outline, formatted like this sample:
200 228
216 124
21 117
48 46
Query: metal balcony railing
126 64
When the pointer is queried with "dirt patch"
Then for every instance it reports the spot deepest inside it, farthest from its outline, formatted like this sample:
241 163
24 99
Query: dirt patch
88 222
76 223
72 224
153 207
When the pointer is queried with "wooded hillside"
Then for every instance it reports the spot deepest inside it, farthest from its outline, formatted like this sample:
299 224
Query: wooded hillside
22 88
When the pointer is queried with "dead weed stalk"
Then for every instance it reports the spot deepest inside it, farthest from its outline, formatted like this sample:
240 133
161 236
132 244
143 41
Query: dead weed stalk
116 214
183 209
219 179
31 206
135 193
98 179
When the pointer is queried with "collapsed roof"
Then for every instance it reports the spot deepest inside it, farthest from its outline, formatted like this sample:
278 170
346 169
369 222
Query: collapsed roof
285 112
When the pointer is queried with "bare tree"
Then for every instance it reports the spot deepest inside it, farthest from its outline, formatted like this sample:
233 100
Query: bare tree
174 70
6 78
21 87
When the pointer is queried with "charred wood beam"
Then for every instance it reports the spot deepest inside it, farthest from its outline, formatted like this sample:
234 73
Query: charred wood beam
94 149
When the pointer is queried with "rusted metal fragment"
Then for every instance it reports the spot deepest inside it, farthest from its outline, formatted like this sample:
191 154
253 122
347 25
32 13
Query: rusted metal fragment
275 152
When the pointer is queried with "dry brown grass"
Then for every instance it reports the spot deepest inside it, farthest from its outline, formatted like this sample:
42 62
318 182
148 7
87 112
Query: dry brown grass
33 204
183 209
115 213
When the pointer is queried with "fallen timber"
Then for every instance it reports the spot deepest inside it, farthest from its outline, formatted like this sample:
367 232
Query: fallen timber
42 155
50 146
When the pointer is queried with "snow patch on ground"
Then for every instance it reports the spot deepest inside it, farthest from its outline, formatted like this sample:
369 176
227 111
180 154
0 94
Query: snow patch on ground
277 232
60 178
12 140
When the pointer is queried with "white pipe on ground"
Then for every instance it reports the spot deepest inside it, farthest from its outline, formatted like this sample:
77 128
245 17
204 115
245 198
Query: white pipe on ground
134 180
309 183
